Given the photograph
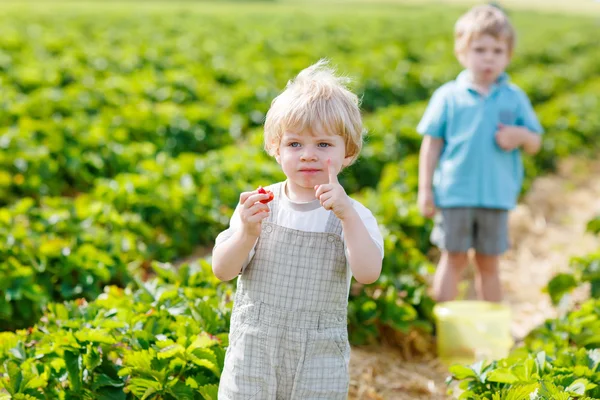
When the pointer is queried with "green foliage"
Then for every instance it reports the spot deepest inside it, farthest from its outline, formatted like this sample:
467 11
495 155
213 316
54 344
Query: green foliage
126 146
165 339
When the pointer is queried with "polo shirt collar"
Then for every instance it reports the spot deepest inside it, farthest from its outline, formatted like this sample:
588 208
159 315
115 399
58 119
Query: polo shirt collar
464 80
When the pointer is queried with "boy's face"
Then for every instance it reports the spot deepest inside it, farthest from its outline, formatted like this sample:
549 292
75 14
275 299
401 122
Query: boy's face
303 157
486 57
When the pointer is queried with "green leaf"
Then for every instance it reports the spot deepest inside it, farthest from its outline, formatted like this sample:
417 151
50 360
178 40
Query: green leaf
110 393
182 391
540 359
15 378
577 388
103 380
38 381
209 392
92 358
594 226
560 285
501 375
170 351
143 387
73 362
95 336
461 372
202 341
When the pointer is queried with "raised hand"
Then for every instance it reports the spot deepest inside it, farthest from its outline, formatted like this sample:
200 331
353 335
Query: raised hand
332 195
253 211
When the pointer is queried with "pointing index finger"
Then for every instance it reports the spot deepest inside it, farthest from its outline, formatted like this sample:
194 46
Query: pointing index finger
331 172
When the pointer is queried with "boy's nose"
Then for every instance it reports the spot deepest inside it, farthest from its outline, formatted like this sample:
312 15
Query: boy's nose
308 154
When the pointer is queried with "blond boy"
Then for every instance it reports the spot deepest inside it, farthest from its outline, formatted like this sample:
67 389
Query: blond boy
470 167
295 255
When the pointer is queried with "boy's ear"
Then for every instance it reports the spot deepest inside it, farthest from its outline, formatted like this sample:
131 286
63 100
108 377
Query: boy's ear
460 56
347 161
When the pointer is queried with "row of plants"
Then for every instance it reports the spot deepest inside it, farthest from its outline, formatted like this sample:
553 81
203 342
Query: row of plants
163 176
172 204
160 338
558 360
84 98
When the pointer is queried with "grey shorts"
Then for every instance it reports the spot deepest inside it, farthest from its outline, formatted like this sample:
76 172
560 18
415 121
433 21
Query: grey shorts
457 230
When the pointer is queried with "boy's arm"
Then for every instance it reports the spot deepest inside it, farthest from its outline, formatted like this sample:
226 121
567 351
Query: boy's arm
531 142
429 155
509 137
364 257
231 252
228 257
528 130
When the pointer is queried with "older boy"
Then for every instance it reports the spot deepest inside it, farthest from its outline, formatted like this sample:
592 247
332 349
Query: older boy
470 165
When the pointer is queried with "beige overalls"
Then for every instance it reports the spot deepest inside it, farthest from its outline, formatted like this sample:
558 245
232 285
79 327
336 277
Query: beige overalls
288 337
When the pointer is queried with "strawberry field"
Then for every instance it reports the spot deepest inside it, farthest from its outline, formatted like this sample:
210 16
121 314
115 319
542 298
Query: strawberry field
127 133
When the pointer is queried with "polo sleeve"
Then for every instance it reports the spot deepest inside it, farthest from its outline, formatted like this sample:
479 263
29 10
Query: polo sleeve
433 122
526 115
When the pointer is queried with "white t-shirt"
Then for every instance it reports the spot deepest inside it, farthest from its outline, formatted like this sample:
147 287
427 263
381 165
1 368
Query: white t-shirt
309 217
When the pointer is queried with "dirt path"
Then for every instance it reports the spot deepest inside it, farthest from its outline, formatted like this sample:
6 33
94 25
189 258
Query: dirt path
547 228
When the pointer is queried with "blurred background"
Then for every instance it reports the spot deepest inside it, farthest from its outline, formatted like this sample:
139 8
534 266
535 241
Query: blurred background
128 130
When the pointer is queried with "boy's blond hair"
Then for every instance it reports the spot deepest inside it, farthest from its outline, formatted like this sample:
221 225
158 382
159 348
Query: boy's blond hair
316 101
483 20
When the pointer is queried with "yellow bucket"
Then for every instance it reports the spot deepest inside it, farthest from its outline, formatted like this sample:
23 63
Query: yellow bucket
468 331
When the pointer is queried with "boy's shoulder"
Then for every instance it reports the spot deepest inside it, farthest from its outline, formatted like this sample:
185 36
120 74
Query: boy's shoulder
514 88
447 89
274 187
361 209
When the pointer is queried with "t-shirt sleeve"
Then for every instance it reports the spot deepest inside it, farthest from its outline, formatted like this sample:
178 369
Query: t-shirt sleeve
371 224
433 122
526 115
234 224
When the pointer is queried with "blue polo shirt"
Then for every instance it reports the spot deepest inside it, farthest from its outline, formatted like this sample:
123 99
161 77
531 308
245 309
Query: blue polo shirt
473 171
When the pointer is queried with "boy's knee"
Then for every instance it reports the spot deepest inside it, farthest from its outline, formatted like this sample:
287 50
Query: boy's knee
457 259
487 263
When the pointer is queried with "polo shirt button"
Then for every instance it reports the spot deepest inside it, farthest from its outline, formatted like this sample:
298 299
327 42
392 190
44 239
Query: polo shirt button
331 239
269 228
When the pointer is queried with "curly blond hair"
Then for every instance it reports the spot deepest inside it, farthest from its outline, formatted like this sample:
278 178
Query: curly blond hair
316 101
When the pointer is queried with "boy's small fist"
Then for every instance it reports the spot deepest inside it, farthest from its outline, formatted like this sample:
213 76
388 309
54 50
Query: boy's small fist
426 203
262 190
509 137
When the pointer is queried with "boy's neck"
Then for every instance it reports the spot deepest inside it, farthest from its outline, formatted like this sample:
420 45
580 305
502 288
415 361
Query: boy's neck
480 86
298 194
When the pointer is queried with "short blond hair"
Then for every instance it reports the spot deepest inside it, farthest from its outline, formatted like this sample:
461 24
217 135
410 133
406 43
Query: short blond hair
483 20
316 101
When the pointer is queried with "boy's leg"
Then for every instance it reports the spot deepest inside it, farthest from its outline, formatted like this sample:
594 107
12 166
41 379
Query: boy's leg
453 234
491 241
487 278
448 274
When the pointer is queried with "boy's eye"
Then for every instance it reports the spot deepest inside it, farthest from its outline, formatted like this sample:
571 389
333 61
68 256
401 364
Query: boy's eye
294 144
499 51
324 144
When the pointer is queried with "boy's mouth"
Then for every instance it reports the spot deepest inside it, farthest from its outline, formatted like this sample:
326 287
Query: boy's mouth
309 170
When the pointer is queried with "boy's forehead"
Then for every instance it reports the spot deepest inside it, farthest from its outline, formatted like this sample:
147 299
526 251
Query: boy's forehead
312 132
486 39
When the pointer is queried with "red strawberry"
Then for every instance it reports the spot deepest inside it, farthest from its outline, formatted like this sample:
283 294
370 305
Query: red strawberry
262 190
